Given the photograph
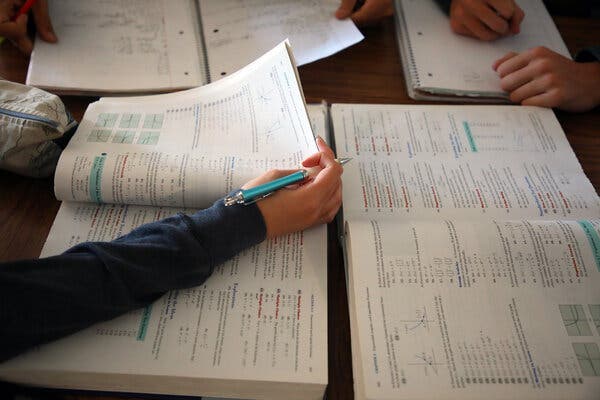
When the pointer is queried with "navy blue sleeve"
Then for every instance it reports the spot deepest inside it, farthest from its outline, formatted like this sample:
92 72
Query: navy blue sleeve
42 300
589 54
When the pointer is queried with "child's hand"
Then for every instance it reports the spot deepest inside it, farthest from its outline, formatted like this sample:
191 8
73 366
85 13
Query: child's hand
16 31
541 77
312 203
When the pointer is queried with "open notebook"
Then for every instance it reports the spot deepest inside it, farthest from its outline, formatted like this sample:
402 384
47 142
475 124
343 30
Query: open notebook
159 45
441 65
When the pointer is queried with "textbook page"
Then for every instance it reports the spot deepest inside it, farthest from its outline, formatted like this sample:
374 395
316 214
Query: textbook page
486 309
186 149
459 161
117 46
284 279
237 32
444 63
255 329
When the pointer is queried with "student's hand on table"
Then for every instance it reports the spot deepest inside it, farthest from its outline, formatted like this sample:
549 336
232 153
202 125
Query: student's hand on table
16 31
371 12
541 77
485 19
312 203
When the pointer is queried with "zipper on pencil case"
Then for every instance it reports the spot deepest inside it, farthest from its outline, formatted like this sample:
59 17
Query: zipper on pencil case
29 117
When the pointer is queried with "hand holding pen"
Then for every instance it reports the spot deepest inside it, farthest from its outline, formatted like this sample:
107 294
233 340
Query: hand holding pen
312 203
13 22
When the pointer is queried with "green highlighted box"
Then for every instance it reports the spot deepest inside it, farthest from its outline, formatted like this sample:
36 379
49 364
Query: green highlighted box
144 323
96 178
593 238
470 137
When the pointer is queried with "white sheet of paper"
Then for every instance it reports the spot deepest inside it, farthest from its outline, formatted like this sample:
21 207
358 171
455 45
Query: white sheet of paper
237 32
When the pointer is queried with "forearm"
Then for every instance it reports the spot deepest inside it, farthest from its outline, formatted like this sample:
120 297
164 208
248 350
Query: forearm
45 299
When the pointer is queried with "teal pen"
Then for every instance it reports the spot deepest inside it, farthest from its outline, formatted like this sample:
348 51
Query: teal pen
249 196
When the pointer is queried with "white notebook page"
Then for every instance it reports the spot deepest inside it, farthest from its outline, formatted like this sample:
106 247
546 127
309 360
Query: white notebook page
120 46
452 62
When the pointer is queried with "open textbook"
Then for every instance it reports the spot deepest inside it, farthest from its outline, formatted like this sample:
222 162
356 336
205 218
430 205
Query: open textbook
472 239
117 46
441 65
256 328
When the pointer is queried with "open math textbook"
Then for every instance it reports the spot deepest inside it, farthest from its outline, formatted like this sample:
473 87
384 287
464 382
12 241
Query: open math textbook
473 254
117 46
441 65
257 327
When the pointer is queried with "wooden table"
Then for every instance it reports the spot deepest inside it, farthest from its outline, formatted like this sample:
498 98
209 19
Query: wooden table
369 72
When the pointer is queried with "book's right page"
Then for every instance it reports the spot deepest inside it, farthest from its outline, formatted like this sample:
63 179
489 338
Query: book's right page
444 63
473 249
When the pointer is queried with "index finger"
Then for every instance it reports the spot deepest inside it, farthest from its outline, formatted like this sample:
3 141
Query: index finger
513 64
501 60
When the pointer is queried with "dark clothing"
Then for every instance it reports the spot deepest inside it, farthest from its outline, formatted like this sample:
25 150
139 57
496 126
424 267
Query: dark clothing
42 300
570 8
589 54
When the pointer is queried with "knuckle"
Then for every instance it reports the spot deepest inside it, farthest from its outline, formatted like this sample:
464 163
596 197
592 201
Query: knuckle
538 51
543 65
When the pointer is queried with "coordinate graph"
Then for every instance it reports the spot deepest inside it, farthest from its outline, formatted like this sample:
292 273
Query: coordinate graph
427 361
272 129
127 129
420 322
574 319
588 357
595 313
265 95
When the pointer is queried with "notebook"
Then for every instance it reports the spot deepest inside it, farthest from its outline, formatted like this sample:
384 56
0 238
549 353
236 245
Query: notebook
441 65
140 46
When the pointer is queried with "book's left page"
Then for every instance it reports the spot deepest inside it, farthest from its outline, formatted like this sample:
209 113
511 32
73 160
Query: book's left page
117 46
255 329
189 148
